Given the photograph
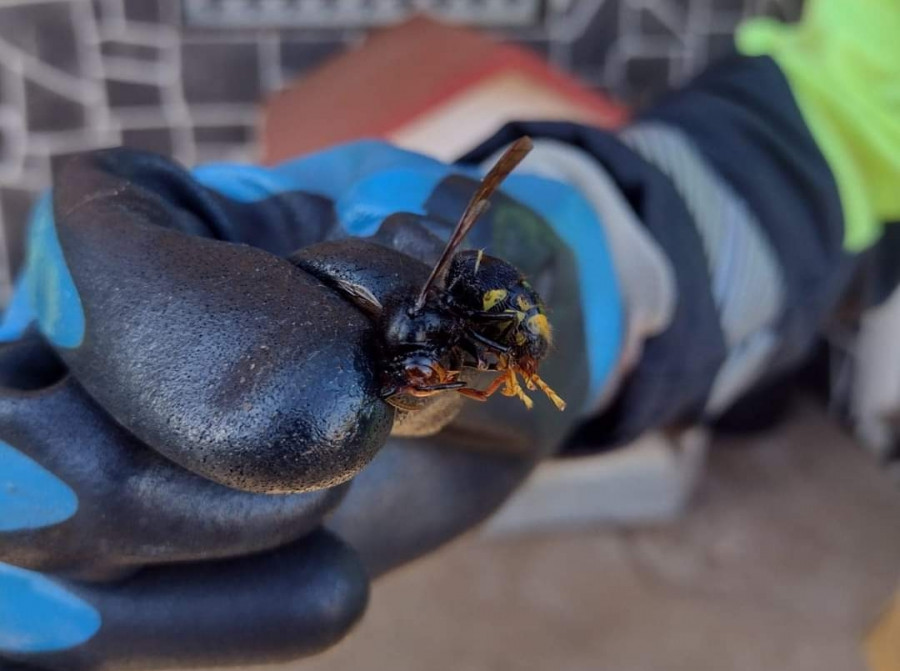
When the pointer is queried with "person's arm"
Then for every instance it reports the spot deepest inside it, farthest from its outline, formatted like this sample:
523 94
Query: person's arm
760 183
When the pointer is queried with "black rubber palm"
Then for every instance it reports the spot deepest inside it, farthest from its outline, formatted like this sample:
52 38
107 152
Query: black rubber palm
217 402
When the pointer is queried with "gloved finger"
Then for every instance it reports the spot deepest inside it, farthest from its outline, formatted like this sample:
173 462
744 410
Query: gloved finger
266 608
422 238
227 359
417 495
78 494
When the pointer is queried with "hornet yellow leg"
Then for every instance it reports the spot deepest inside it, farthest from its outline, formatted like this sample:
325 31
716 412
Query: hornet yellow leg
544 387
514 389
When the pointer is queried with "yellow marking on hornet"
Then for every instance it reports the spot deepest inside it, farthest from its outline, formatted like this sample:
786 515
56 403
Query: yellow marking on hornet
524 304
540 324
492 297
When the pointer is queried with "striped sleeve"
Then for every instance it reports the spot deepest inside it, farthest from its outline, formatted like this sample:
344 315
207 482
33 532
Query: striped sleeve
746 281
729 183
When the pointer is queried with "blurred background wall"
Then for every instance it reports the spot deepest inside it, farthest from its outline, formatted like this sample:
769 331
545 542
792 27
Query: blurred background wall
185 77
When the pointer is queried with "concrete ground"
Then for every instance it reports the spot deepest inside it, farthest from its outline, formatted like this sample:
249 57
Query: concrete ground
787 555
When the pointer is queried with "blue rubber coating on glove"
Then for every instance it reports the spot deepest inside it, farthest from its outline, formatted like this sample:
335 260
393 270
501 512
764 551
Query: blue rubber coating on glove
367 203
329 173
38 615
52 291
18 315
30 496
46 291
366 181
370 180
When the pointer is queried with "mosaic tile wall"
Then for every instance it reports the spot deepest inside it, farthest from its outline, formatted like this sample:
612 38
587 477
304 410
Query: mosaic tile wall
185 77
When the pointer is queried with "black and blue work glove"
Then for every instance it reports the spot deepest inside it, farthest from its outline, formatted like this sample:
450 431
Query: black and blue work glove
178 397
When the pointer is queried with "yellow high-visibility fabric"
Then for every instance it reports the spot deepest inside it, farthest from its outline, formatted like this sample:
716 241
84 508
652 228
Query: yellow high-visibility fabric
842 61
